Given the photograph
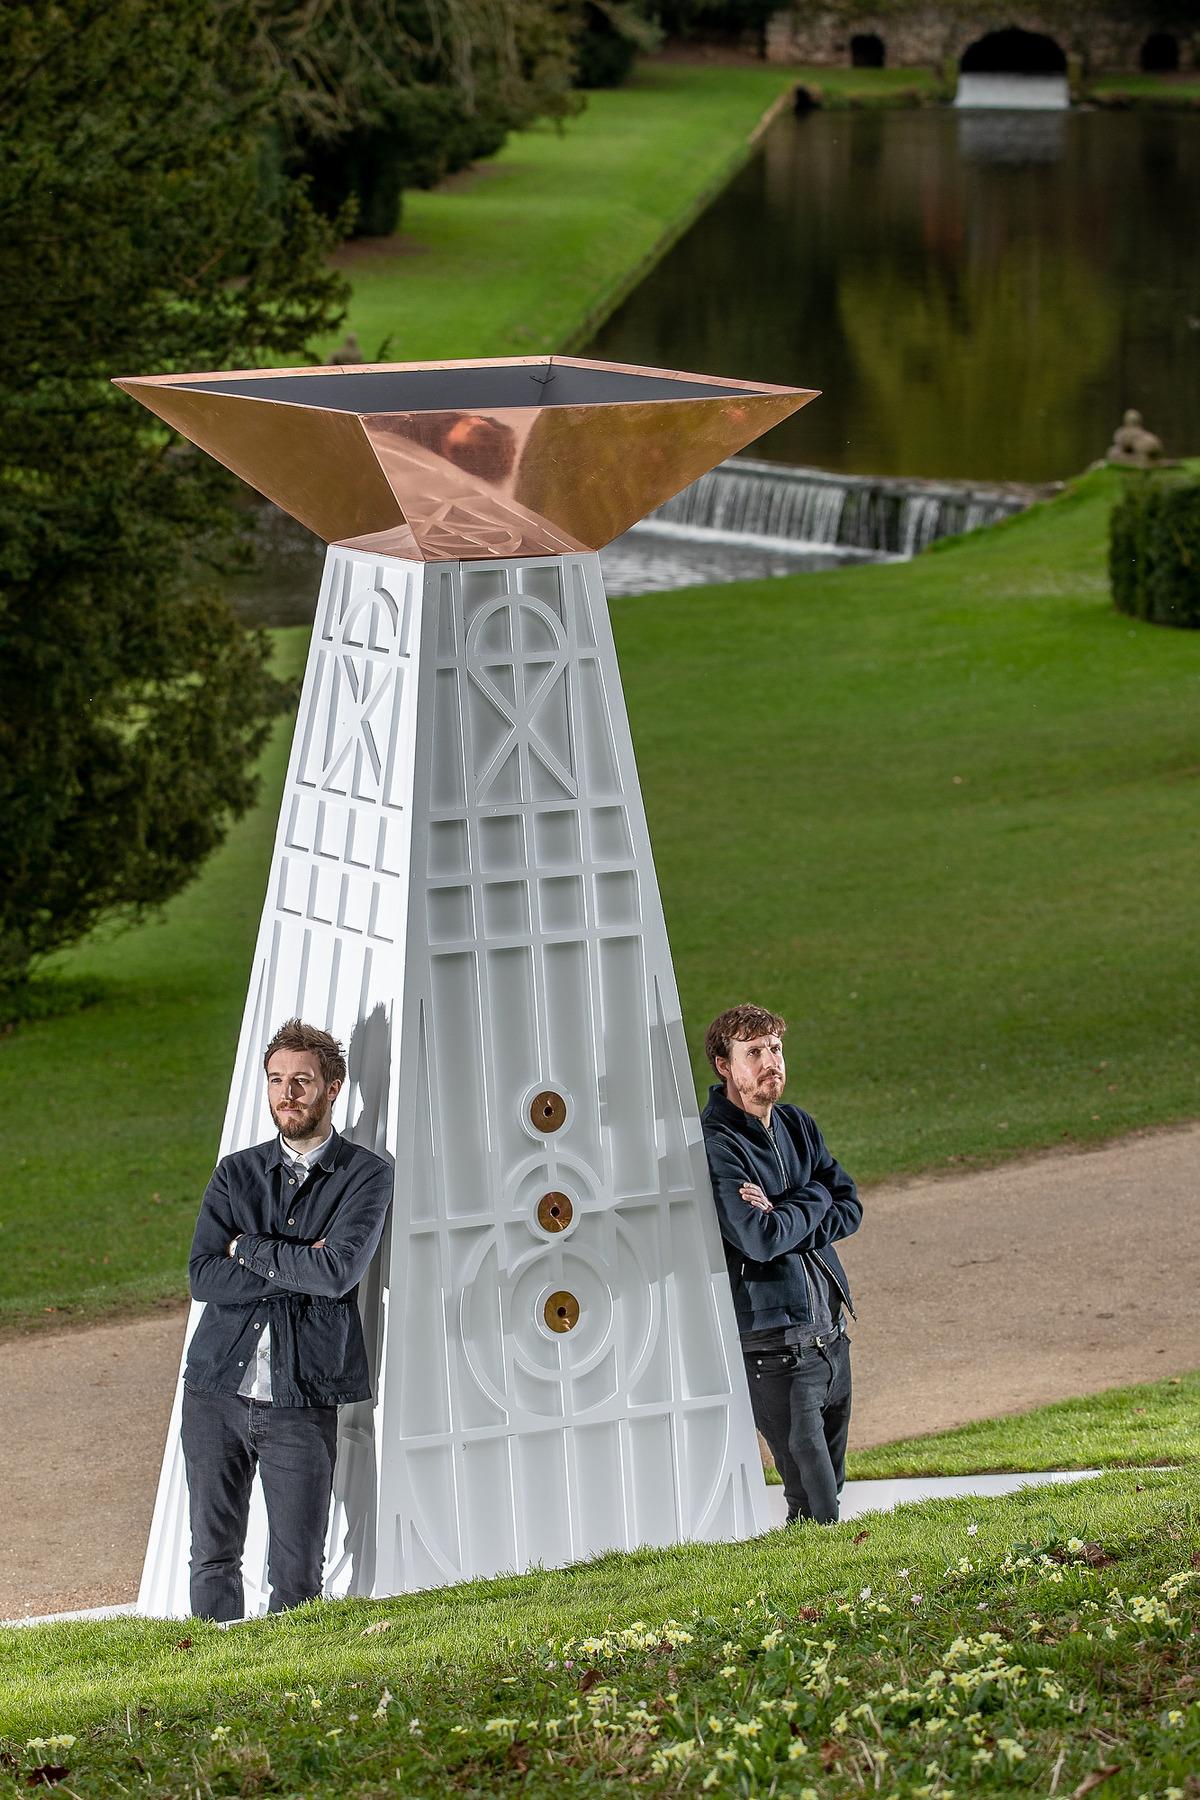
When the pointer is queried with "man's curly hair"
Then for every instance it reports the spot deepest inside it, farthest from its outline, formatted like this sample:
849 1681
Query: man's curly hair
738 1025
294 1034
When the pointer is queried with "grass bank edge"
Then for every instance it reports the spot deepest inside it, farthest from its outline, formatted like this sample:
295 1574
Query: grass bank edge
473 1648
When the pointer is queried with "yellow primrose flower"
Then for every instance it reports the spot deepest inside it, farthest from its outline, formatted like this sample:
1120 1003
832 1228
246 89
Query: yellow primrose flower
1011 1749
748 1728
219 1733
796 1749
729 1672
840 1725
715 1725
726 1756
497 1726
772 1640
1174 1717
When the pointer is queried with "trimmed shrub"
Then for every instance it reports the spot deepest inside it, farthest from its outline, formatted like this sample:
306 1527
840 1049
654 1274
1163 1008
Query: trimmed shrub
1154 550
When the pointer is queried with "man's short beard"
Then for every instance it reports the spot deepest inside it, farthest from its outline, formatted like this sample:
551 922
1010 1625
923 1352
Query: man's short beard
750 1091
302 1125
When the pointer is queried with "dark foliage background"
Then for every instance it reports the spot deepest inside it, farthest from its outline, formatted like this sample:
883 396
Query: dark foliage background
137 233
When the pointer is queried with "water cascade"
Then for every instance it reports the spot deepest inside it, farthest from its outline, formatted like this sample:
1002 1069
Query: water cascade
772 503
1014 93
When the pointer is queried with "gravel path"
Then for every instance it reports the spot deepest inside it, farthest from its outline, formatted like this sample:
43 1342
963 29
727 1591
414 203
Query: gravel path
977 1294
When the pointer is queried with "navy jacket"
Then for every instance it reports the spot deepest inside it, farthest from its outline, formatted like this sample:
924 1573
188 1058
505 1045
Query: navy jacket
815 1204
308 1297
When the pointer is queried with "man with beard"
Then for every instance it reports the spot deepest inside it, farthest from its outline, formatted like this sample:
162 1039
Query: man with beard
783 1202
286 1232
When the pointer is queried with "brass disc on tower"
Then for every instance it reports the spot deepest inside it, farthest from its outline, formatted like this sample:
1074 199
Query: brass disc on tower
561 1311
554 1212
548 1111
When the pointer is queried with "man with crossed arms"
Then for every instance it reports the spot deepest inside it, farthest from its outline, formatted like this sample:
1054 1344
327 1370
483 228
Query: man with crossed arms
286 1232
783 1203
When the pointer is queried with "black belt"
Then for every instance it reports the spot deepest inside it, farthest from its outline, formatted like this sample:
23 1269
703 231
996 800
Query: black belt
818 1341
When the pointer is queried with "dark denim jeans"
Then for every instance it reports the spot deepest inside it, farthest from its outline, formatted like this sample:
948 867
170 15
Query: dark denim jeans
801 1401
225 1439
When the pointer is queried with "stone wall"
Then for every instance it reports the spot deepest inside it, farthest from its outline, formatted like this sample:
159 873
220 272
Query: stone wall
1103 35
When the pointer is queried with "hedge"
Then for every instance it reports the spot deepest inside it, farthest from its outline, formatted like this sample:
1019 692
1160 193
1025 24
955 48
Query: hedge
1154 550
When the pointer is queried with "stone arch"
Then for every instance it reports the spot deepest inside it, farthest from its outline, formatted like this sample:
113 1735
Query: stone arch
1014 52
867 50
1160 53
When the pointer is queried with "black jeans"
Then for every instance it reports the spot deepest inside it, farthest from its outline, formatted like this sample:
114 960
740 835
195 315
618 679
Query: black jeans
801 1401
225 1438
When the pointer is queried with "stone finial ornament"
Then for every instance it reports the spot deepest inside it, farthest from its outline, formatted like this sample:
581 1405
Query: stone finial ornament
1133 447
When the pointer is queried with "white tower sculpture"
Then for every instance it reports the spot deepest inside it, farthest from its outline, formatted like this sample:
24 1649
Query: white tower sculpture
462 890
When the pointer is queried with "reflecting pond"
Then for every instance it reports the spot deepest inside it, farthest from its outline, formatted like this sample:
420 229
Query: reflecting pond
979 295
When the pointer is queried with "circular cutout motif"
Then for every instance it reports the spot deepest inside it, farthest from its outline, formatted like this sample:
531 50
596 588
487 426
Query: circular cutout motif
561 1311
554 1212
548 1111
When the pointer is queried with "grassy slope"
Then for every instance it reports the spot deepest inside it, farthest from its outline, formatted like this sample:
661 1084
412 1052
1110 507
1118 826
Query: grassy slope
1158 1422
161 1712
942 814
528 251
1141 90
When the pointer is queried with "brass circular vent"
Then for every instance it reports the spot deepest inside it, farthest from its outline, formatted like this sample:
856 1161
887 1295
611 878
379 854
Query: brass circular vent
548 1111
561 1311
554 1212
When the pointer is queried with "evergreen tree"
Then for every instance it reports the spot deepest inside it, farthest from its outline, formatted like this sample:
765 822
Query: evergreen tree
383 95
142 229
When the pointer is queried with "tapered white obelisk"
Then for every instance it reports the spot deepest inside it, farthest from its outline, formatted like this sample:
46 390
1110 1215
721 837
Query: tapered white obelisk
462 889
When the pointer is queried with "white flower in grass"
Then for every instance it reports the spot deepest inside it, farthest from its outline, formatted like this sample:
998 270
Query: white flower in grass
1174 1717
220 1733
972 1529
385 1700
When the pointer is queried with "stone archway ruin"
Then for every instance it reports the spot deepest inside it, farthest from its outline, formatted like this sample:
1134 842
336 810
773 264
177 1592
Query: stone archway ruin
867 51
1014 51
1159 54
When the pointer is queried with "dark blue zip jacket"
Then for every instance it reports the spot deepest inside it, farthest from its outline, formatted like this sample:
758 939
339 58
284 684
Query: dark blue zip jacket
308 1297
815 1204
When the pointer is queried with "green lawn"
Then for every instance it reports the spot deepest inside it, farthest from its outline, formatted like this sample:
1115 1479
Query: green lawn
987 1647
838 88
1137 89
943 814
1157 1422
1069 1581
530 250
